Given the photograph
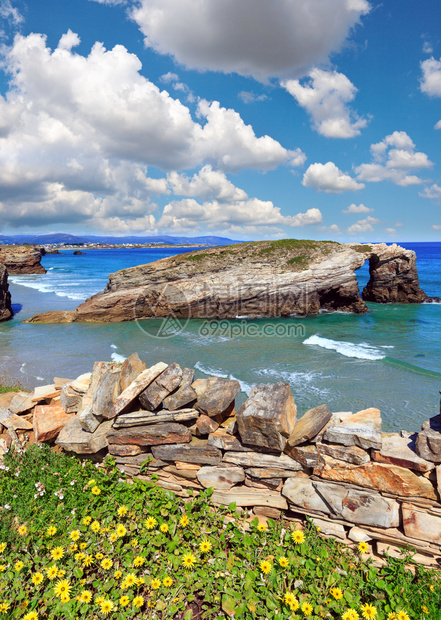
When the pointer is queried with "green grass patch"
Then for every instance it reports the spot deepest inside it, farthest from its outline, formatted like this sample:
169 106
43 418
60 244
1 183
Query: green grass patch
78 542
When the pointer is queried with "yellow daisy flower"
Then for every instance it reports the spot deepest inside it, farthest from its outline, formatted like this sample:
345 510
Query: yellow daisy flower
88 560
120 530
99 556
32 615
57 553
188 560
150 523
291 601
363 547
61 572
261 527
283 562
205 546
22 530
62 588
130 579
87 520
106 606
65 598
298 537
74 535
184 521
307 609
83 545
138 602
368 611
113 537
167 581
164 528
403 615
350 614
124 601
2 568
155 584
4 606
117 574
51 530
37 578
18 566
3 547
107 563
138 561
85 596
51 572
265 567
336 593
96 491
122 511
95 527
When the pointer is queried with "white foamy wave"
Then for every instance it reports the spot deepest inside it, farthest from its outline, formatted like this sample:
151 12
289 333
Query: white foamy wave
360 351
432 303
22 368
36 283
116 357
306 382
113 346
214 372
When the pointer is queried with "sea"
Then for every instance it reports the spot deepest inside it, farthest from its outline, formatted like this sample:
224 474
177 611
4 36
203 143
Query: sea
389 358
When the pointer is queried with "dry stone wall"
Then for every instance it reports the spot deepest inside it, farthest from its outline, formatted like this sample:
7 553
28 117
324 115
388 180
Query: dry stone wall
355 481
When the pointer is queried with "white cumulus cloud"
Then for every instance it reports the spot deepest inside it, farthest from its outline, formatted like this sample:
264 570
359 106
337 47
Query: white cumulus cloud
362 226
329 179
430 82
250 37
433 192
393 159
353 208
325 96
78 135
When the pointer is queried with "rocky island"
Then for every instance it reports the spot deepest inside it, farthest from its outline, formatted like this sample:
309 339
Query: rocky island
5 295
20 260
257 279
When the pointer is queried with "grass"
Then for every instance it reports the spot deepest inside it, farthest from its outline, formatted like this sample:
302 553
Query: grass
9 385
77 542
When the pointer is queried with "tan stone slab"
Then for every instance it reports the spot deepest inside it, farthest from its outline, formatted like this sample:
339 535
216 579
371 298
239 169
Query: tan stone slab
134 389
361 429
74 439
256 459
13 422
192 466
215 395
350 454
81 384
21 402
302 492
398 552
267 511
45 391
151 435
308 426
48 421
195 452
242 496
59 382
220 478
223 440
420 525
335 530
5 399
381 477
141 417
400 451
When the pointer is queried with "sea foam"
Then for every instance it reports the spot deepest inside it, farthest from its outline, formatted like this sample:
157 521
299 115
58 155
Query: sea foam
360 351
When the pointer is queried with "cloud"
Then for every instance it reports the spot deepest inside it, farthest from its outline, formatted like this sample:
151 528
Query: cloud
436 226
177 85
329 179
353 208
10 13
393 158
250 97
390 231
325 97
427 47
433 192
438 125
333 229
362 226
251 37
78 135
430 83
241 216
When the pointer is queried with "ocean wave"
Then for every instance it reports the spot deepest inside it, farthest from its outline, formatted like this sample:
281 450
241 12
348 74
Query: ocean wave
37 283
213 372
306 382
360 351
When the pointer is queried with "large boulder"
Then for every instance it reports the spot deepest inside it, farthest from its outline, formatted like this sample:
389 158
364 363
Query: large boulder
428 443
215 395
168 381
308 426
48 421
267 418
5 296
74 439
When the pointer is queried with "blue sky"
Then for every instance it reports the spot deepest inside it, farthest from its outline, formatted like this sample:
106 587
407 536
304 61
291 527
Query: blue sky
252 120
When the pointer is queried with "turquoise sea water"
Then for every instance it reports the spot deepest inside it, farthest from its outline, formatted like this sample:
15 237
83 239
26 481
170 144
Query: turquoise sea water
389 358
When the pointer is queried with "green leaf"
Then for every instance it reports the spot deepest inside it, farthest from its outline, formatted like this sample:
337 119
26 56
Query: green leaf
228 605
232 506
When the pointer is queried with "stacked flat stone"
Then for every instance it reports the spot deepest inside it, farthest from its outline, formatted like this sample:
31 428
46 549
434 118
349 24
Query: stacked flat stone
355 481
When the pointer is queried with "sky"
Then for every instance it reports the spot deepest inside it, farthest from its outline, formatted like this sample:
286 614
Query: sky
251 120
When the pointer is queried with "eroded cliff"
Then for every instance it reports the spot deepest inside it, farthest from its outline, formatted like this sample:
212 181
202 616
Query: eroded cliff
20 260
5 296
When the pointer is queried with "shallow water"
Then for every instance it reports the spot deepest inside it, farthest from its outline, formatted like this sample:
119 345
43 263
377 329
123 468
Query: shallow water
389 358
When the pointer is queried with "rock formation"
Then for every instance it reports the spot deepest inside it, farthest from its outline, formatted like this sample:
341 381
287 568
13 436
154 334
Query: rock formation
354 481
20 260
261 279
5 295
393 276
